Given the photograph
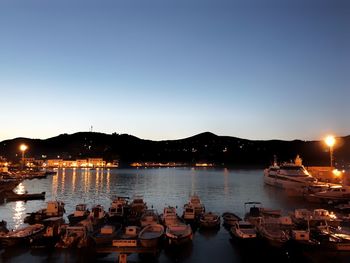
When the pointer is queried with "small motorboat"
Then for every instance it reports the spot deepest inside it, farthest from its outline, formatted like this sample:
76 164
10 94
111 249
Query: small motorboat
178 233
53 209
169 216
22 236
76 236
209 220
189 213
119 209
12 196
149 217
97 216
137 205
230 219
243 230
150 235
54 229
196 203
81 212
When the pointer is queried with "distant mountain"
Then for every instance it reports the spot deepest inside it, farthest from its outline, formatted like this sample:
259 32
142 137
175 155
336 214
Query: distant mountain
203 147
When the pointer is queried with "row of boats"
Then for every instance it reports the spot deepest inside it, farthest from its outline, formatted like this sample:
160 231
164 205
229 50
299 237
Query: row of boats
302 228
135 225
124 224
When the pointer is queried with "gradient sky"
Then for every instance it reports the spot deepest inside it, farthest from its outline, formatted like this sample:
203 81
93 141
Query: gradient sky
169 69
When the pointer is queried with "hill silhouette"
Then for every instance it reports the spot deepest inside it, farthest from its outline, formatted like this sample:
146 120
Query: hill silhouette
203 147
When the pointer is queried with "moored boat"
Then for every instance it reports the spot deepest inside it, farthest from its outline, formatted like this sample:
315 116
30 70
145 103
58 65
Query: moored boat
119 209
53 209
149 217
81 212
243 230
138 205
333 194
76 236
289 176
150 235
270 230
169 216
189 213
197 204
12 196
97 215
209 220
22 236
230 219
178 233
54 229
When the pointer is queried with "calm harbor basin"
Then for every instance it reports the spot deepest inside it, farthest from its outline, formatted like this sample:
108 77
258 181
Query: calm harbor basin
220 190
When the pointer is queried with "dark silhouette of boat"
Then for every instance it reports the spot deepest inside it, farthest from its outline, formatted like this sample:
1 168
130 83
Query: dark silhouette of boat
12 196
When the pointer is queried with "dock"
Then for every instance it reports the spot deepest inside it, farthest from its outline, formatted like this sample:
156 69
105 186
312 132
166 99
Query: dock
125 251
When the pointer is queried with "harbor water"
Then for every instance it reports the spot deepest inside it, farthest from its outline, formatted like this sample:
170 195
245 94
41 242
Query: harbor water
220 190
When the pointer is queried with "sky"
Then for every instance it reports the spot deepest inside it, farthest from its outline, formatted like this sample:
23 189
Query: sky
169 69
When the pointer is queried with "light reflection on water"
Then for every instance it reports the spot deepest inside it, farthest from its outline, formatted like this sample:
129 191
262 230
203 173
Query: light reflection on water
18 214
220 190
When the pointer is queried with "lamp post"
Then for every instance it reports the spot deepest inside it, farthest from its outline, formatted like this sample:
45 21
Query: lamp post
23 148
330 141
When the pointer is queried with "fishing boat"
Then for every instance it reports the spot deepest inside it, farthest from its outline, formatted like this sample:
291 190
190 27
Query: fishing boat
209 220
178 233
169 216
150 235
197 204
230 219
53 209
302 239
76 236
138 205
149 217
270 230
97 215
54 229
333 194
8 182
22 236
243 230
81 212
304 217
119 209
12 196
333 239
189 214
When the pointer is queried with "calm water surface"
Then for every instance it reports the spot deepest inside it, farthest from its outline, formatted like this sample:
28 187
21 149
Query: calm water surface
219 189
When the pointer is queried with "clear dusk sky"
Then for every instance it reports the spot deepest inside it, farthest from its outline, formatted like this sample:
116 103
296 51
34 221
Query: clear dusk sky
169 69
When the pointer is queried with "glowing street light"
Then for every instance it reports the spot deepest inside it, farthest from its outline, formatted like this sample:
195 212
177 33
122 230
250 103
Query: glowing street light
23 148
330 141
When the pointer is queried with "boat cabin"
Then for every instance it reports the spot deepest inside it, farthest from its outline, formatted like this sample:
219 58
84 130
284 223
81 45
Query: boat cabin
80 210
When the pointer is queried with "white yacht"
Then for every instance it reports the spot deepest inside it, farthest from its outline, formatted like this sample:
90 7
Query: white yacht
288 175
